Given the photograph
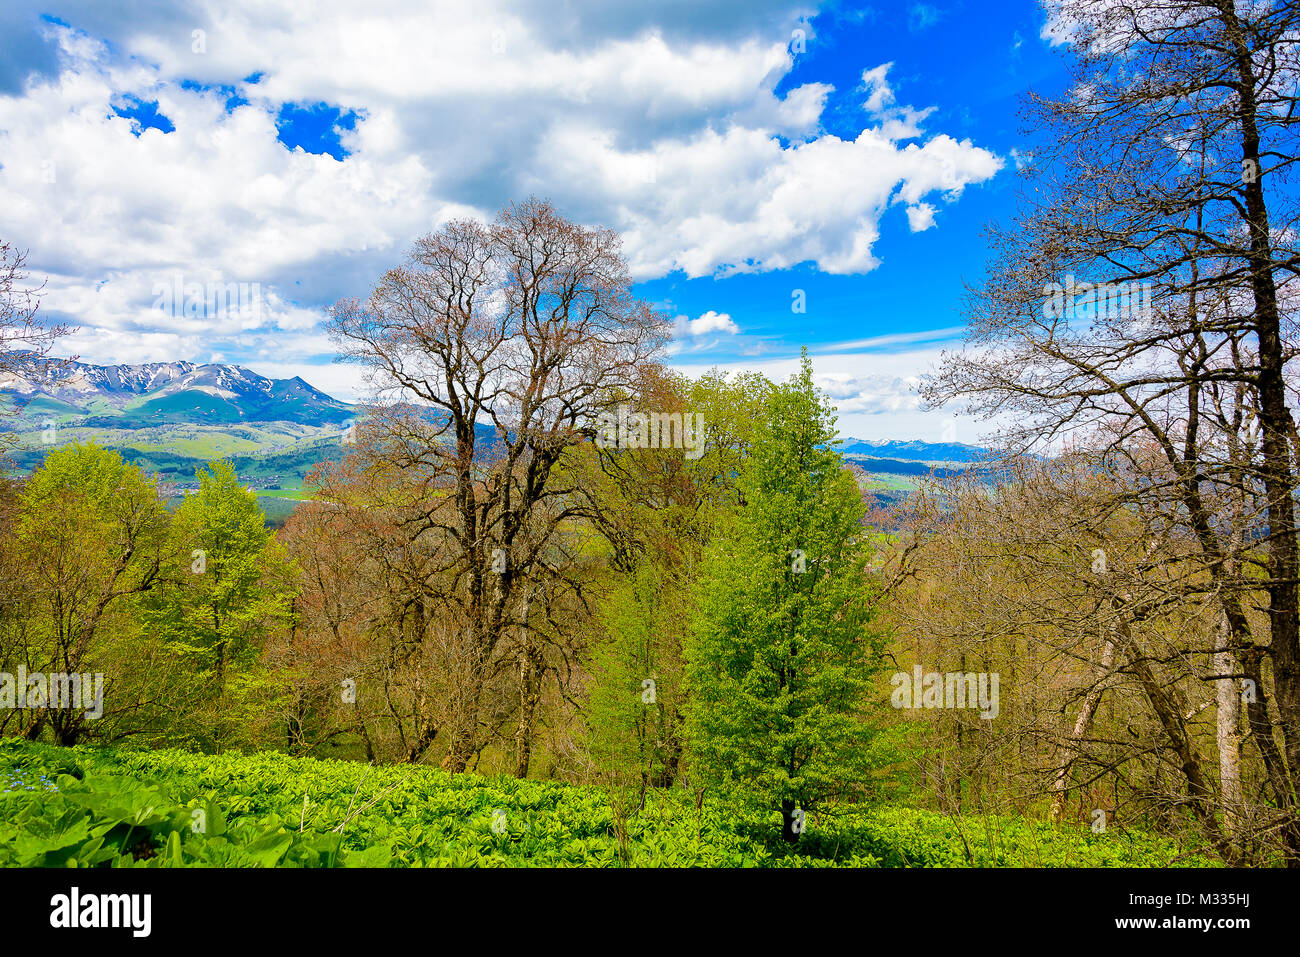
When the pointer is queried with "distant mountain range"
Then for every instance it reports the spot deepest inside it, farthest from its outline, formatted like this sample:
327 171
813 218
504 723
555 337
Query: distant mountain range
910 451
182 393
169 393
172 418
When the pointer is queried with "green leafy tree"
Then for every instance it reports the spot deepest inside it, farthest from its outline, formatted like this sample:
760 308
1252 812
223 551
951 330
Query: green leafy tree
781 654
87 542
635 705
657 509
231 577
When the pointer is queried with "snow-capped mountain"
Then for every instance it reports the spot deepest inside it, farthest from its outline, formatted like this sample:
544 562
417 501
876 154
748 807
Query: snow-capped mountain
911 451
81 377
162 393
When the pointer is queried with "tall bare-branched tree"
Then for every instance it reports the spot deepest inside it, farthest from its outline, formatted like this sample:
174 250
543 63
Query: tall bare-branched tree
504 342
1146 296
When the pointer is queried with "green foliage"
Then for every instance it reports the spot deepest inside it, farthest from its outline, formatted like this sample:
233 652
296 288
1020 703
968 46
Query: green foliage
659 509
100 819
230 576
780 660
635 707
734 409
87 543
115 808
88 520
170 609
906 837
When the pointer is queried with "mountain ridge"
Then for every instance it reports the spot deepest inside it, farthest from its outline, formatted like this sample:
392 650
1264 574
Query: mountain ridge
171 418
226 392
910 450
164 393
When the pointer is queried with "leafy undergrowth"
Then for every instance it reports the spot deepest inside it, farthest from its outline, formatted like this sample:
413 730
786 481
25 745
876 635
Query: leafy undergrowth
101 807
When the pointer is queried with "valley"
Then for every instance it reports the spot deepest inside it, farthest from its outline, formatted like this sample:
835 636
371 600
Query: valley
173 418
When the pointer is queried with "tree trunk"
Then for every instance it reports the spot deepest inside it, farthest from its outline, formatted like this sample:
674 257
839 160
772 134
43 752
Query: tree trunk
464 741
529 695
1276 426
1166 704
1082 725
530 672
788 833
1228 730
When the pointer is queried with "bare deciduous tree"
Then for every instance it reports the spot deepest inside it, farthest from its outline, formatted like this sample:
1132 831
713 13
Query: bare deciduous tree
504 341
1160 169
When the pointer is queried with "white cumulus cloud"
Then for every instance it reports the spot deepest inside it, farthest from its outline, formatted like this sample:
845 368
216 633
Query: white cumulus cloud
660 121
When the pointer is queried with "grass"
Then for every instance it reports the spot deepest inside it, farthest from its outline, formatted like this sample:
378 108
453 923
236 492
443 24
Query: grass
116 807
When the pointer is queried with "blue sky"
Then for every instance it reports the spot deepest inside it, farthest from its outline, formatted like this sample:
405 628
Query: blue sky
755 156
972 62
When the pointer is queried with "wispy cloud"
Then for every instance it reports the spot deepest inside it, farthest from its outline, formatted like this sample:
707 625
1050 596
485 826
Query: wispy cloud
892 341
922 16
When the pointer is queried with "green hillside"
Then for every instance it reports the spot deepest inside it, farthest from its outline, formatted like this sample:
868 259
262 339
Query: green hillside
181 407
